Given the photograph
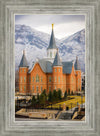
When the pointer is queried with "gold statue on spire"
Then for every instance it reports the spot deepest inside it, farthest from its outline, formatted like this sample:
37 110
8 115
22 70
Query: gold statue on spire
52 26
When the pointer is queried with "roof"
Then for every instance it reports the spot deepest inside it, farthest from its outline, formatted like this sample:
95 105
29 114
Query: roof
23 62
52 43
57 61
77 64
47 64
67 67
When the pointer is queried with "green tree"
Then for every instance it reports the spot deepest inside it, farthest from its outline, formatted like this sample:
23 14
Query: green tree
33 100
38 98
50 96
65 94
59 94
72 92
55 95
42 98
68 91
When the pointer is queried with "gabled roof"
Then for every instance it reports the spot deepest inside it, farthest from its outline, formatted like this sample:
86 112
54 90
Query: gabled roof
77 65
46 66
57 61
23 62
52 43
67 67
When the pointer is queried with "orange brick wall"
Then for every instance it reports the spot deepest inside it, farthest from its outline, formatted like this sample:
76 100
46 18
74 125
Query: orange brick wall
58 79
42 80
78 80
23 80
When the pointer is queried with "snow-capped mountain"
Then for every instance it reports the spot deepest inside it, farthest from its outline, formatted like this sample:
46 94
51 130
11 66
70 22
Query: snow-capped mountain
35 44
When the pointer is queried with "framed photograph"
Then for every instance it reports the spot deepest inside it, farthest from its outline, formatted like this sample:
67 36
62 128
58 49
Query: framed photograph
49 68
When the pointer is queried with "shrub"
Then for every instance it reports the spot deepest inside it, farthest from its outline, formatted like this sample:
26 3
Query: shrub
65 95
59 94
68 91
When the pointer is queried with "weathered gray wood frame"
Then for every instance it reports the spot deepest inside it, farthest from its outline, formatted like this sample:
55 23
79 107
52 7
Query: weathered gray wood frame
8 126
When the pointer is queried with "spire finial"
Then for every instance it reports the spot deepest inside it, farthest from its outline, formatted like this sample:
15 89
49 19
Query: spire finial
52 26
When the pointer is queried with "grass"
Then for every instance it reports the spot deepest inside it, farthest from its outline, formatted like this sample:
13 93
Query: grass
70 103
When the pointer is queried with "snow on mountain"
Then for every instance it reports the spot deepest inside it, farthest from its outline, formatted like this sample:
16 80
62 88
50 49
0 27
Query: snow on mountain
35 44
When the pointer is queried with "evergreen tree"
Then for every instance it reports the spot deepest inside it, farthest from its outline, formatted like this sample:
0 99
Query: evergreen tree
42 99
50 96
33 100
68 91
38 99
55 95
72 92
65 94
59 94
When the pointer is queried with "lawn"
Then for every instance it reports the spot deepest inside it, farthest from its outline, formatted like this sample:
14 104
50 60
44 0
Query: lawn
70 103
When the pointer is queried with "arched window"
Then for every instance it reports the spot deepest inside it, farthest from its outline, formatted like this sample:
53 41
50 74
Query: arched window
37 78
59 69
24 79
24 70
49 88
41 79
51 54
49 78
21 79
24 88
55 79
33 88
55 70
59 79
33 79
41 88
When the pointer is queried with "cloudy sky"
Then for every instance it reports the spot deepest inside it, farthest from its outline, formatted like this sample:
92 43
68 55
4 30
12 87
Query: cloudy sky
64 25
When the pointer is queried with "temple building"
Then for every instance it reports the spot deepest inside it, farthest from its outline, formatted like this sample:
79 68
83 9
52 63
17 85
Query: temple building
49 73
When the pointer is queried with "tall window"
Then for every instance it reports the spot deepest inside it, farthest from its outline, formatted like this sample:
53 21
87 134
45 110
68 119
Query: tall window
49 88
21 79
24 88
37 78
55 88
51 54
41 89
21 70
24 79
55 79
24 70
59 79
49 78
33 79
33 89
55 70
41 79
37 89
59 69
21 88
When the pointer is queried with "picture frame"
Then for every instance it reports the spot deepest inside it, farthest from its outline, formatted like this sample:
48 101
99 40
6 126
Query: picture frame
8 125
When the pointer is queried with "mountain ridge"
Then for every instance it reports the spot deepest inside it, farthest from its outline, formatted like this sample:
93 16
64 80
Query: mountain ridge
35 43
